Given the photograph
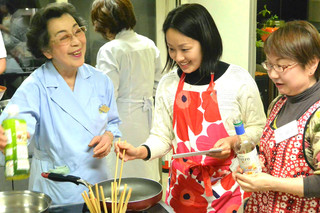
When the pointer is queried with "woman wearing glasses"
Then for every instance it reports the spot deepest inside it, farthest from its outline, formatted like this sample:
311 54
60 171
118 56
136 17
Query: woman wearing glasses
290 144
69 106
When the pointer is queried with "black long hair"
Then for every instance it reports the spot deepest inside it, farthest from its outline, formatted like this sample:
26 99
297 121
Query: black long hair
194 21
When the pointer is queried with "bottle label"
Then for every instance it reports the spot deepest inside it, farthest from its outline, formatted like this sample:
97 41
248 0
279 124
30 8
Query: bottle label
9 152
23 164
22 151
21 132
17 162
9 168
249 162
7 132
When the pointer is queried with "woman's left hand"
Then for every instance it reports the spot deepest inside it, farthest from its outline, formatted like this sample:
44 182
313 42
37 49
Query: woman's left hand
102 145
255 182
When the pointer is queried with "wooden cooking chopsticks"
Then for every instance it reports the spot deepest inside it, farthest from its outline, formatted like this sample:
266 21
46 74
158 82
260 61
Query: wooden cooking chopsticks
93 201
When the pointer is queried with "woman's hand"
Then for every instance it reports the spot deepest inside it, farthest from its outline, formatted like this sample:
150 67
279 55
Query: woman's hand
102 145
3 140
131 152
255 182
237 171
226 144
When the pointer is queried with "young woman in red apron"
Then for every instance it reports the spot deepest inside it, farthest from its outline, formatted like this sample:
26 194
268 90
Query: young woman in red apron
202 183
191 114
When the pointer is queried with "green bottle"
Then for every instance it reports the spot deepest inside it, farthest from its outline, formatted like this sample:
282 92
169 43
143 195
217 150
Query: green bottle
17 166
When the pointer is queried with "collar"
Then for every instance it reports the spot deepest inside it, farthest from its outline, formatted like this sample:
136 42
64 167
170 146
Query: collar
52 76
125 33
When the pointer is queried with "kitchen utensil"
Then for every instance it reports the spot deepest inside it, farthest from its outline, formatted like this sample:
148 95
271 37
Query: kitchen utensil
189 154
2 90
24 202
145 192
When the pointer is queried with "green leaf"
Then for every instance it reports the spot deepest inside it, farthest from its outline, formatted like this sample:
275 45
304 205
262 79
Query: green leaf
261 32
265 11
259 43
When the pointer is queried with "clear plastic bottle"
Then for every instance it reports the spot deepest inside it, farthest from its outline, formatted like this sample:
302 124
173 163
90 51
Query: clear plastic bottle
17 166
246 151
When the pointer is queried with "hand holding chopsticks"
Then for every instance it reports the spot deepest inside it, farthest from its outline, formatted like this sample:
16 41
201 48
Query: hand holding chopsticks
117 205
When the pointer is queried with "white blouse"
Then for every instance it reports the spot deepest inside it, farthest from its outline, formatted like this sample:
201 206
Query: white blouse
237 93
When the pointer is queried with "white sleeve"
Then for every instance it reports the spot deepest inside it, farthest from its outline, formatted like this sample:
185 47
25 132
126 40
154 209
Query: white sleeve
158 71
107 63
238 94
252 111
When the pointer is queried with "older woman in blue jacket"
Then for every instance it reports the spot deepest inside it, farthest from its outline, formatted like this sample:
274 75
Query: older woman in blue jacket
69 106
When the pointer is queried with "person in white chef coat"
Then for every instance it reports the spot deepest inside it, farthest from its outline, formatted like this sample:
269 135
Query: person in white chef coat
3 55
133 63
69 107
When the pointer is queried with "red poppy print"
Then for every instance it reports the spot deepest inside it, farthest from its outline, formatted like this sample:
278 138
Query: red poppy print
229 202
182 165
187 114
187 196
227 182
246 194
215 131
210 106
182 148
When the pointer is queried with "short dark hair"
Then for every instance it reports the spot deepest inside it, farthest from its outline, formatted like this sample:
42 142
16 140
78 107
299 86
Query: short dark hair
112 15
194 21
38 36
298 41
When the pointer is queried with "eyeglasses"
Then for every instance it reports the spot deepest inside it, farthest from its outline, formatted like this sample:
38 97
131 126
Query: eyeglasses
65 38
278 68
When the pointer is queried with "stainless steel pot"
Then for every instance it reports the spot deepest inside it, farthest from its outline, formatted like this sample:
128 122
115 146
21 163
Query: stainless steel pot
24 202
3 104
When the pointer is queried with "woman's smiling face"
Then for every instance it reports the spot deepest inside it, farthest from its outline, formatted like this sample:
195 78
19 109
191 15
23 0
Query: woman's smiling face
185 51
68 56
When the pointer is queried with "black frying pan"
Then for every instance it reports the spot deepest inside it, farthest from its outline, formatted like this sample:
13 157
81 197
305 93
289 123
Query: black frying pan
145 192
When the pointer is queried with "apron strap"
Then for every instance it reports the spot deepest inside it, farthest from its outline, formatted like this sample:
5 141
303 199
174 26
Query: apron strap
206 178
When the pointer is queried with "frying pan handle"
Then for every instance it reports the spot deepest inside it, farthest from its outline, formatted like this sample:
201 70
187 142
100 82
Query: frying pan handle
61 178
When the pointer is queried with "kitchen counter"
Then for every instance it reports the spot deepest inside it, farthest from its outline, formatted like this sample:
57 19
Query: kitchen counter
160 207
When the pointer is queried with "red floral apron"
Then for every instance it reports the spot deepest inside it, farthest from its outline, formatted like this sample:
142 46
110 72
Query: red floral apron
284 159
200 183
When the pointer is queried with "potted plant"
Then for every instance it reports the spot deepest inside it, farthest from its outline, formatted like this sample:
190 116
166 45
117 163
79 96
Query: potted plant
270 24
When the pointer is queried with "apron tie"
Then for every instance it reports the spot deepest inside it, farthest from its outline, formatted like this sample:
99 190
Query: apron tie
146 103
204 171
147 106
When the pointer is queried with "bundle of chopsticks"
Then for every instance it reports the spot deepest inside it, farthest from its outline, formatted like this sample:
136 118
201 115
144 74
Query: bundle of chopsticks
117 206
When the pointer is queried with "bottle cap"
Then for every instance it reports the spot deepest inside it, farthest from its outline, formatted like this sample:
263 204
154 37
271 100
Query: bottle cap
13 110
239 128
237 122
